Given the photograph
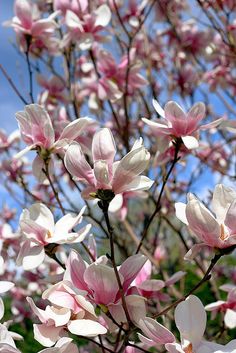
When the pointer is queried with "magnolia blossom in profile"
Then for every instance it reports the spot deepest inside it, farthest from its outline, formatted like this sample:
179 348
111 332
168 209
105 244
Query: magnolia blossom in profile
119 177
215 230
190 319
175 123
37 132
39 229
227 306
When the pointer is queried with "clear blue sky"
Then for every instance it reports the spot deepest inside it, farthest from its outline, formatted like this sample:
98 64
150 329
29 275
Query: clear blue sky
15 67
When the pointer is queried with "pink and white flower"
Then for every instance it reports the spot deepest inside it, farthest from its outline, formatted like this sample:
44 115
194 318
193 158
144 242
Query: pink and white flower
99 281
86 30
227 306
119 177
215 230
38 133
175 123
70 311
39 229
190 319
30 28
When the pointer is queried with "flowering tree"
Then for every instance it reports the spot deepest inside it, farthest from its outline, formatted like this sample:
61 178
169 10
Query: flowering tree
126 127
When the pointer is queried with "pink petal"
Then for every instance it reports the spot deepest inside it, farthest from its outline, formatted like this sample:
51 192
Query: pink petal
130 268
74 129
175 278
30 256
136 307
23 10
102 281
43 26
75 269
152 285
174 113
202 222
212 125
196 113
155 331
214 306
103 146
223 197
77 165
195 251
47 335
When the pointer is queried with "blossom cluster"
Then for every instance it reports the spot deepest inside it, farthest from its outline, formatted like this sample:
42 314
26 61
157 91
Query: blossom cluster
99 249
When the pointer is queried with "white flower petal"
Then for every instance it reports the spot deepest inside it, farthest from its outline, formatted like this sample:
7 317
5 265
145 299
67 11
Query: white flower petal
190 318
190 142
87 328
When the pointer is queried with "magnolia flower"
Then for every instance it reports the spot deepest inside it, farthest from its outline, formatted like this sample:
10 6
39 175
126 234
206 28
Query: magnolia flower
37 132
54 90
6 141
151 288
39 229
216 230
106 174
100 283
74 313
29 27
176 123
228 306
190 319
84 32
116 73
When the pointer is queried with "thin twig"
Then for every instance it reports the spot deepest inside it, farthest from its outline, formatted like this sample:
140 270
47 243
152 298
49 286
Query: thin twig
158 203
13 85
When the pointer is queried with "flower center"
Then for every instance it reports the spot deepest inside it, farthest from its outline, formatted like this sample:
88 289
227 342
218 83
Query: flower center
49 234
188 349
223 234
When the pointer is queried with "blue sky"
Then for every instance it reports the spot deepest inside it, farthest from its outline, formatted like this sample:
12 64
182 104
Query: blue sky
16 69
15 65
